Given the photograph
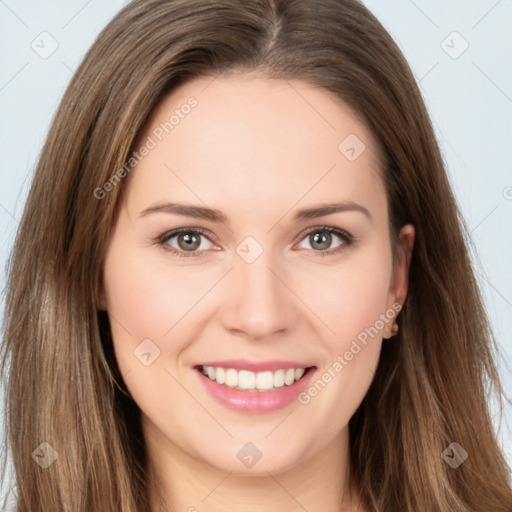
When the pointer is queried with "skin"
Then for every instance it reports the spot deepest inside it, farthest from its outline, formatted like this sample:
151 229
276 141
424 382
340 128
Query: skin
258 150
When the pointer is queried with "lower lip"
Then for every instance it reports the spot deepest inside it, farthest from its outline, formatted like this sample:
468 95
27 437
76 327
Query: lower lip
256 401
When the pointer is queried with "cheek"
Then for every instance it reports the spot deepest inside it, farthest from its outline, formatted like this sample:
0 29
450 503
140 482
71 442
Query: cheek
147 306
354 307
147 297
144 303
349 297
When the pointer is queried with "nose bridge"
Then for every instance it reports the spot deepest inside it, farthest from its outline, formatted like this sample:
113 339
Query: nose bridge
257 303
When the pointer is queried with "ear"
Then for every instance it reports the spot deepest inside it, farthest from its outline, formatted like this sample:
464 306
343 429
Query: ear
400 278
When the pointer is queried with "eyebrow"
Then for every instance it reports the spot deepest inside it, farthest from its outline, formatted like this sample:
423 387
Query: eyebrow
214 215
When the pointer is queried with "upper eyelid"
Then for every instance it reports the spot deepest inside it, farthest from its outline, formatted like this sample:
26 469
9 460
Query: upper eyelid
175 232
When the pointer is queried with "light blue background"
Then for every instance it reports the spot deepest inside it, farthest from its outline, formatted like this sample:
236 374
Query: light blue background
469 99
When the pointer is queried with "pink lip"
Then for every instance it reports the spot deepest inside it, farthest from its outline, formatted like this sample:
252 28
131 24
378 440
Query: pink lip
256 401
255 366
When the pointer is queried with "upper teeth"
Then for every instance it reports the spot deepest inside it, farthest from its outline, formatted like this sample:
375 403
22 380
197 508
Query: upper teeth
246 380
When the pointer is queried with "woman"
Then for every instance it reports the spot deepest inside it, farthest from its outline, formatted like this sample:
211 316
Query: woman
241 279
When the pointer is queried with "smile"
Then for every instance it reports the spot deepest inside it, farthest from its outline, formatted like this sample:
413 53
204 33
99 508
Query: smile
254 392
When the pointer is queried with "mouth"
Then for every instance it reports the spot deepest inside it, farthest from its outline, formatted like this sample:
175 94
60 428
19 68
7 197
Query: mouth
256 382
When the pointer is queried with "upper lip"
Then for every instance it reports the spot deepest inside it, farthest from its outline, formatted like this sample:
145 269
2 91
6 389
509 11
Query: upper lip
255 366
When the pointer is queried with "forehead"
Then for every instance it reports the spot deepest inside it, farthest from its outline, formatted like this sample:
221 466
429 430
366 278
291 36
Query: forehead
249 142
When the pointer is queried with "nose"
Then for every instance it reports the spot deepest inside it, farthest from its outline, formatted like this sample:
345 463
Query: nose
258 303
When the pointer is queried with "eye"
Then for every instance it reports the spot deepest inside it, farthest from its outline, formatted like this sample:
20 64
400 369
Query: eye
187 240
321 238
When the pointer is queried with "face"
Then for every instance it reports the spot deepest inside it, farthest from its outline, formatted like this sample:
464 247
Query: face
263 277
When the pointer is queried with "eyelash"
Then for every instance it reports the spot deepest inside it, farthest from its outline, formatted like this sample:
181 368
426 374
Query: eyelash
347 238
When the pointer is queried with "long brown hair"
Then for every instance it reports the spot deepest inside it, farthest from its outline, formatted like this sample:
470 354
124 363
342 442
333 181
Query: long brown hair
63 386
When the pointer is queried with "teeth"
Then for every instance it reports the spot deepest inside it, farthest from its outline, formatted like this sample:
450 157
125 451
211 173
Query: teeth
231 378
219 374
245 380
